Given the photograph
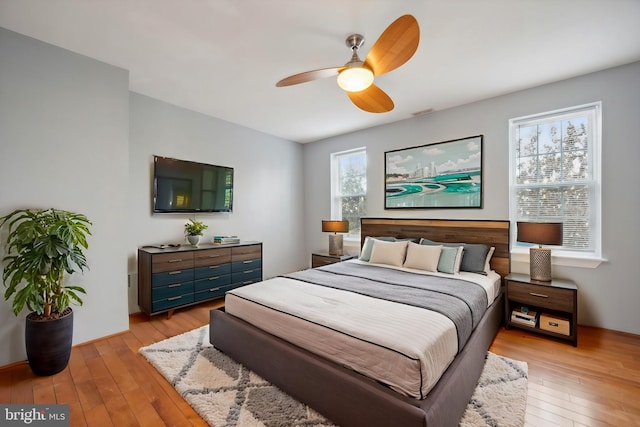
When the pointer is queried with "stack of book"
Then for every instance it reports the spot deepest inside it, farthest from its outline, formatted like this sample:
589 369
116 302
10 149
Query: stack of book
529 318
225 240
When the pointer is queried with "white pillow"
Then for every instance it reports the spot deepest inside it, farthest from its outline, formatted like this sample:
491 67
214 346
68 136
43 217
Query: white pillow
422 257
391 253
487 265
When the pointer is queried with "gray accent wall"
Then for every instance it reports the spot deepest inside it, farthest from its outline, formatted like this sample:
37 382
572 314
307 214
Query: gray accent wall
607 295
267 183
64 125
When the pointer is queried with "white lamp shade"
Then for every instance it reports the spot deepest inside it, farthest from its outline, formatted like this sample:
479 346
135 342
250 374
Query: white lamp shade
355 79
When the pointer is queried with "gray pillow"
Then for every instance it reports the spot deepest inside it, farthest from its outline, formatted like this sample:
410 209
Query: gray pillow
474 255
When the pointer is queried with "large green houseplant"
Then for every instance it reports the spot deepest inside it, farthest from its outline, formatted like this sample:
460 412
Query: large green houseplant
43 245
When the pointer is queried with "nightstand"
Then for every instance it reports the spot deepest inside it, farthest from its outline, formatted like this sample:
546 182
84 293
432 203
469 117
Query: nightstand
555 304
320 258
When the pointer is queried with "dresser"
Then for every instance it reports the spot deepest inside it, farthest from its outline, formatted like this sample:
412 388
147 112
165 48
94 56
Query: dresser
175 277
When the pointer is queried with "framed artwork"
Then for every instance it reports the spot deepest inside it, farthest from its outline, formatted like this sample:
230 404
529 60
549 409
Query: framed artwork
442 175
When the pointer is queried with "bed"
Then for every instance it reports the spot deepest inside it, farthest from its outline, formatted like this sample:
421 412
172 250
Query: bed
347 394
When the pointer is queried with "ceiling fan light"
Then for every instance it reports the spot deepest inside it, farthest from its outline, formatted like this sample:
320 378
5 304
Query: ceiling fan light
355 79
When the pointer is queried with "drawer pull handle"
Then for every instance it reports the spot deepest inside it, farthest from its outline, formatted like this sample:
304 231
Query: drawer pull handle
247 262
248 271
175 272
175 285
535 294
248 282
213 267
175 260
214 278
174 298
554 324
214 256
214 289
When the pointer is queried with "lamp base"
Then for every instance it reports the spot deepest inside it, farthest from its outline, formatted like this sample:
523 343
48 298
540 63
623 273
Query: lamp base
335 244
540 264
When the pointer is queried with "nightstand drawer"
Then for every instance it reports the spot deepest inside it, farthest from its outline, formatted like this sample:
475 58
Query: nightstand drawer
319 260
536 295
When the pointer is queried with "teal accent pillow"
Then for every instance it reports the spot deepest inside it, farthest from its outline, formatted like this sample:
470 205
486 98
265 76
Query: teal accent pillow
449 260
473 258
365 253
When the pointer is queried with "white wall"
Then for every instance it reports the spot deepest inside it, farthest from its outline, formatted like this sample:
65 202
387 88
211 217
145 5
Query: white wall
608 295
64 122
267 183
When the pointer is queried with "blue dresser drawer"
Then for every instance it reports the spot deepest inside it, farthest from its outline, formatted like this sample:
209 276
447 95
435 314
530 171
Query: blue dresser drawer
212 282
216 292
164 292
169 303
170 277
212 270
239 266
247 276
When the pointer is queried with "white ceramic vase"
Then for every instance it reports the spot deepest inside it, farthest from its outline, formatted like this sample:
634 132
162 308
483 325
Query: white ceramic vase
193 240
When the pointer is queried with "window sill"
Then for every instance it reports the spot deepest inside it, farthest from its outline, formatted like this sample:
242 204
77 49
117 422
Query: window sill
565 260
351 240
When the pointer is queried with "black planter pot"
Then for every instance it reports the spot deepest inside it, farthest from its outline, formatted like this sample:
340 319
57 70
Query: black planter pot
49 343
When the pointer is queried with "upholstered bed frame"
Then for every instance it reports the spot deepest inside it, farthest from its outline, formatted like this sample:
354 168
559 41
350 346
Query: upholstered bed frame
350 399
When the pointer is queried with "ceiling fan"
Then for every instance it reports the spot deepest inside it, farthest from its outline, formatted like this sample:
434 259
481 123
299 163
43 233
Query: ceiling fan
395 46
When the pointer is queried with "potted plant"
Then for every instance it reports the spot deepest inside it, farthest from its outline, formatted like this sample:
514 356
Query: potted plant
193 230
43 245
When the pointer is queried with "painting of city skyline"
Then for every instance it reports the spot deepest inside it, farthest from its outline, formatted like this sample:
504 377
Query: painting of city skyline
443 175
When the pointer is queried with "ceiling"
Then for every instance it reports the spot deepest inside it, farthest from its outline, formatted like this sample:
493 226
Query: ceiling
223 57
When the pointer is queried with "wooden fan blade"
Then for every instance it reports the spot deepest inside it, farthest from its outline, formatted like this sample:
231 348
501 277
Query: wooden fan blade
395 46
308 76
372 100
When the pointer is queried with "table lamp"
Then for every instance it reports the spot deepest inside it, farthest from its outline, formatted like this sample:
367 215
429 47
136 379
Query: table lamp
335 239
541 233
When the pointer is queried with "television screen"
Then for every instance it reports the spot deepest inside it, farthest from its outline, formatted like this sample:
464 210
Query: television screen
184 186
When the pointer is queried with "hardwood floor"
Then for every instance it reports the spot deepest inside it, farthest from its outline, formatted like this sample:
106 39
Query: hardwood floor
107 383
594 384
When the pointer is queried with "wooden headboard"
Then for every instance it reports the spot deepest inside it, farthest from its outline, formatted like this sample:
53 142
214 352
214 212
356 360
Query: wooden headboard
489 232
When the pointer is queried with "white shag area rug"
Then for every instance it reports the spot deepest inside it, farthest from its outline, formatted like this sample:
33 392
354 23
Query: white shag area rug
225 393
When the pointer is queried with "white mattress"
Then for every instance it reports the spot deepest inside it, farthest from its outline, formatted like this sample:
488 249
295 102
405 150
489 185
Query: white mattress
405 347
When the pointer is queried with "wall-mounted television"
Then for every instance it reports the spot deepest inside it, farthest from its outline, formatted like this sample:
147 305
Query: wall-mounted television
185 186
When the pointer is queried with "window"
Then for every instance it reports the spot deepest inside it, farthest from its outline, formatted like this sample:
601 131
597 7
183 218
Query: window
555 175
349 188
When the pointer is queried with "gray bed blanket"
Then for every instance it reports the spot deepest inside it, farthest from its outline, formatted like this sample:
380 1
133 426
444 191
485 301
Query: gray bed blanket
461 301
